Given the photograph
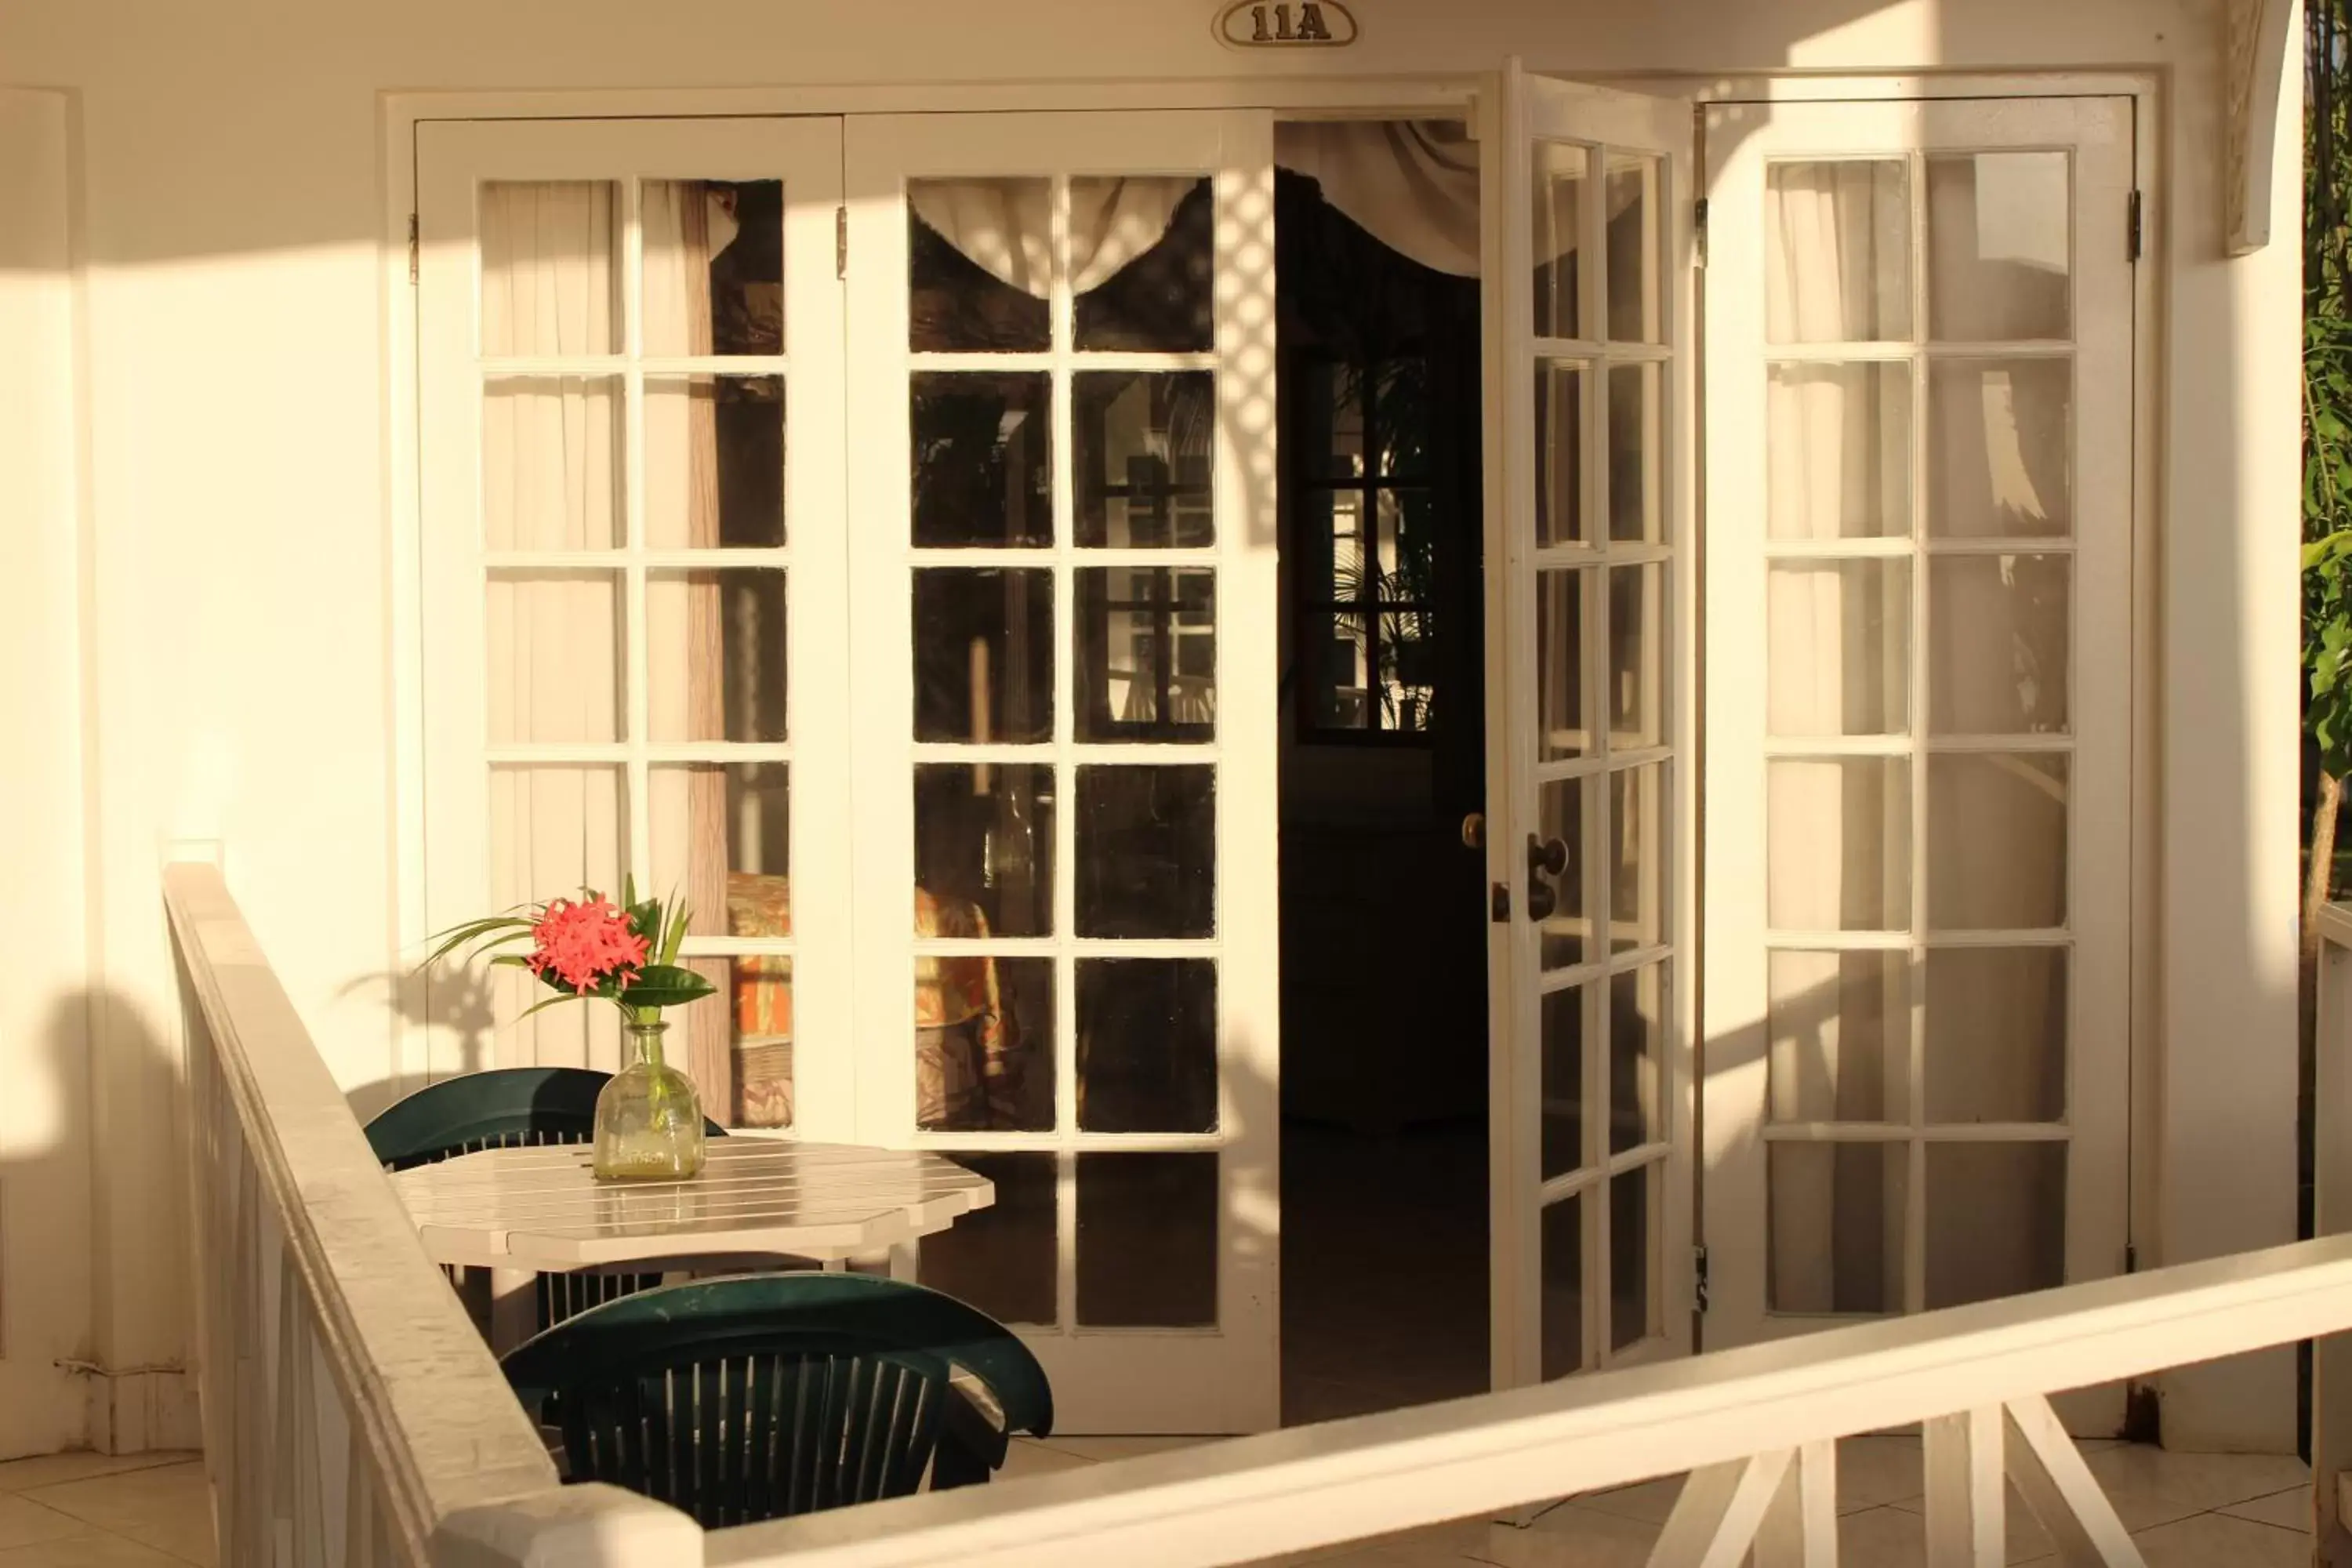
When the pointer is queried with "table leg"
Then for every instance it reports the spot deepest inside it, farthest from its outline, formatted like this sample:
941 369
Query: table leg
514 1307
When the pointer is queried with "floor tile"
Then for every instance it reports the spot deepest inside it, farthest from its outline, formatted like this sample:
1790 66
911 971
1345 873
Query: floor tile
1897 1538
2289 1510
2150 1486
22 1522
98 1551
49 1469
2217 1541
169 1507
1878 1469
2027 1542
1652 1502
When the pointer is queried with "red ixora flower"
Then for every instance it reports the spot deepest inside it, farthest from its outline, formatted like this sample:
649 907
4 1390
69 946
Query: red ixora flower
586 944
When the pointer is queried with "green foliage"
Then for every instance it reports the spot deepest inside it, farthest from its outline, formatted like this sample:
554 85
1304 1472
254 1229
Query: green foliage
2327 391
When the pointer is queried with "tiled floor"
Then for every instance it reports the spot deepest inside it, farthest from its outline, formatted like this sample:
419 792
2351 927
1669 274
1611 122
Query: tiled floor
90 1510
2187 1510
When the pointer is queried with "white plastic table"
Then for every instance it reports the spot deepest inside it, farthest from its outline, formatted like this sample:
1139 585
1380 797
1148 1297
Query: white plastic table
519 1212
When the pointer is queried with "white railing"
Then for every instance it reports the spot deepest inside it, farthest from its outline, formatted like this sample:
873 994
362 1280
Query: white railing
352 1415
1757 1428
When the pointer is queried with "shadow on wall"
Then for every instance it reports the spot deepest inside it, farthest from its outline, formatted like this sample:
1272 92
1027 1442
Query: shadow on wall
94 1124
452 999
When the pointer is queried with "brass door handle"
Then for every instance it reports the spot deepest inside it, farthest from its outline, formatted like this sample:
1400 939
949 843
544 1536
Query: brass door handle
1473 830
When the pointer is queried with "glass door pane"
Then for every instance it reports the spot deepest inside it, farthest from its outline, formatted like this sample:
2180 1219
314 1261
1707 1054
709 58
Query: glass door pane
1071 806
1590 1172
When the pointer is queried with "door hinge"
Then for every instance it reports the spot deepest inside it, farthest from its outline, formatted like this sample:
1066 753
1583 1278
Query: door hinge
2131 1259
1698 228
1698 1278
1498 903
411 247
2135 210
841 242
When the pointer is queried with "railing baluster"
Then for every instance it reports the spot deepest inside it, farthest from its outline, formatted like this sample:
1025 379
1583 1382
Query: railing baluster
1800 1530
1964 1494
1715 1519
2065 1498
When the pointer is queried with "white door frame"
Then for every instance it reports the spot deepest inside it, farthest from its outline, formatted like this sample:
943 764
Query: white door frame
2109 699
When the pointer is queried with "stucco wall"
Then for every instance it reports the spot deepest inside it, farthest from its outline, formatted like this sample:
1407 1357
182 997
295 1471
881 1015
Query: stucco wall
238 544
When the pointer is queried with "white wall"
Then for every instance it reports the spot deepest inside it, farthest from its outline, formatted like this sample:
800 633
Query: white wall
239 546
44 1172
2231 617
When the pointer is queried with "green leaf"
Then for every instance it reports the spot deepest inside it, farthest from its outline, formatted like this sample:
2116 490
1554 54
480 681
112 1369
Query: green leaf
666 985
477 931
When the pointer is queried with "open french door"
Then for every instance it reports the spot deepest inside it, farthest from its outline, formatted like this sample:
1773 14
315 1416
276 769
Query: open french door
1062 408
1588 268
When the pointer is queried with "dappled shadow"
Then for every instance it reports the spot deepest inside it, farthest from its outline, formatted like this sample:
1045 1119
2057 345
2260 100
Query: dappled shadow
456 1002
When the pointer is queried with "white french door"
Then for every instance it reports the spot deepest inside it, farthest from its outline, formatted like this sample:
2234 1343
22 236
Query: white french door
1062 403
635 606
1586 197
890 571
1919 799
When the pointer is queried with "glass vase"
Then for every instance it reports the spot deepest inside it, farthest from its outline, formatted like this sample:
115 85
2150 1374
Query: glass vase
648 1117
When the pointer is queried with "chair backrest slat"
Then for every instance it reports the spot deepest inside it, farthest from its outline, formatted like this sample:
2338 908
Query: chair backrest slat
767 1396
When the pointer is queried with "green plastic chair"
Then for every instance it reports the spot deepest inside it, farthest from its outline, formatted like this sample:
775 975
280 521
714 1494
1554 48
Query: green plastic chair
767 1396
507 1107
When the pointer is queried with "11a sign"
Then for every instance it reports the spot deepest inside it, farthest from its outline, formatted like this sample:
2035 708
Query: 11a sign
1287 24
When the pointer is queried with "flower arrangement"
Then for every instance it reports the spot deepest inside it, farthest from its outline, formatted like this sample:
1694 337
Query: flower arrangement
591 948
648 1117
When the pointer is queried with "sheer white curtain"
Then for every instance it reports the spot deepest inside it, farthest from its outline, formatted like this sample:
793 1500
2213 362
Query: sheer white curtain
1005 226
1841 647
553 479
550 471
685 225
1412 185
1837 270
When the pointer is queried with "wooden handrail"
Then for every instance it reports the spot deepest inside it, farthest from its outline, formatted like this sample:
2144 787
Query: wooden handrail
1315 1485
441 1432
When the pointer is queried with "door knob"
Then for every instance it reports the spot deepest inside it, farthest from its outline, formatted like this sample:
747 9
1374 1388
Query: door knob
1473 830
1546 857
